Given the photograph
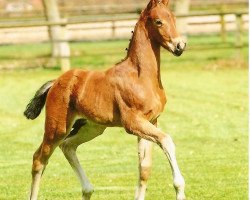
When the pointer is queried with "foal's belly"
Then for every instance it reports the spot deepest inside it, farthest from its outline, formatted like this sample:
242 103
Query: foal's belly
102 114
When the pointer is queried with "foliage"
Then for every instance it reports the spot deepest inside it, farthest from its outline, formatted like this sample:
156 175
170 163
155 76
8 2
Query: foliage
206 115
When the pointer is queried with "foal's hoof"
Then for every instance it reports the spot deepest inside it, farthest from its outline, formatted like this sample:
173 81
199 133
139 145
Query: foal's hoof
180 197
87 195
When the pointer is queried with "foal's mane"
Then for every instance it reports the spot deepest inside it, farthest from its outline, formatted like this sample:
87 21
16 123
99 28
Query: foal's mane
142 19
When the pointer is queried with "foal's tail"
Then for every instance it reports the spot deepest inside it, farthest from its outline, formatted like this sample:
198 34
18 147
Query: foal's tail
36 104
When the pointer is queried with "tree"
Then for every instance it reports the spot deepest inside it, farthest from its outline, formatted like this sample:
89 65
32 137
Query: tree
57 34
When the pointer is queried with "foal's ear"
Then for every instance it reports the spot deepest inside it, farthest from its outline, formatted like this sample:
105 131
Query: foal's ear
151 4
165 2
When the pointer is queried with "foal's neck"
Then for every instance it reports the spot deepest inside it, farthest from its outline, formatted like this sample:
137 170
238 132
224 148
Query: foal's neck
144 53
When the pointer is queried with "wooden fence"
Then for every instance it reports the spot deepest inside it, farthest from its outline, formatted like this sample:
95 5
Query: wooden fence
113 19
87 8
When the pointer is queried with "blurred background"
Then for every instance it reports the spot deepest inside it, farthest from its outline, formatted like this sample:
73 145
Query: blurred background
29 22
207 90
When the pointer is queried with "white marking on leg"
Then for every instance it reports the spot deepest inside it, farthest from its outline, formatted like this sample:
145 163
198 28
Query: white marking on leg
36 179
69 146
178 180
145 162
70 154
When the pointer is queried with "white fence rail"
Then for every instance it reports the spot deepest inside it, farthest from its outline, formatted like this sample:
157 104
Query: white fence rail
116 27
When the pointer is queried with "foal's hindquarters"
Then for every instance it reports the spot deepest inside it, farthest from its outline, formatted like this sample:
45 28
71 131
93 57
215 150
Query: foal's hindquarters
61 113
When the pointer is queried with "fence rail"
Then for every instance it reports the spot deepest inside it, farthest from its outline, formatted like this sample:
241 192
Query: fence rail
129 7
81 20
115 22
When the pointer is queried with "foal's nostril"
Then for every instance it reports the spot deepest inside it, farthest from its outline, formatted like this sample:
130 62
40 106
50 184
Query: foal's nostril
178 47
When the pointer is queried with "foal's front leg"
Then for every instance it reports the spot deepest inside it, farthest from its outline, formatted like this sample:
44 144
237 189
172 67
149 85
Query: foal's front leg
143 128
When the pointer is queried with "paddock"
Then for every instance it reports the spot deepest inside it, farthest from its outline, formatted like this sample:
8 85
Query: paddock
206 114
206 89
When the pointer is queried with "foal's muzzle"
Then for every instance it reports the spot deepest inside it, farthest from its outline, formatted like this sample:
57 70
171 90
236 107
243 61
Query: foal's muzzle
179 48
176 46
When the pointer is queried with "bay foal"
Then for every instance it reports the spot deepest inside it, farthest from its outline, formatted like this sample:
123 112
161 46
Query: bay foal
81 104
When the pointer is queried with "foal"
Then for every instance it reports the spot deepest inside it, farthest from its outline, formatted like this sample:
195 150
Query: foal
81 104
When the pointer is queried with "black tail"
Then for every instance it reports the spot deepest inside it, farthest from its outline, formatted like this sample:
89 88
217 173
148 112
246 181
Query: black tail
36 104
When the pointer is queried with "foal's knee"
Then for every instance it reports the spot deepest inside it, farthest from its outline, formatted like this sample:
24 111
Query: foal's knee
145 159
145 168
145 173
37 167
41 156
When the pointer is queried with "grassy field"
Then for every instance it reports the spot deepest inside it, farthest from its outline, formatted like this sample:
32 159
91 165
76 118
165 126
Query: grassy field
206 114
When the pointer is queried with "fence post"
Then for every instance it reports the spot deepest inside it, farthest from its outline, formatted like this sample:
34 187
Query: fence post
239 30
57 34
64 51
113 29
182 7
223 27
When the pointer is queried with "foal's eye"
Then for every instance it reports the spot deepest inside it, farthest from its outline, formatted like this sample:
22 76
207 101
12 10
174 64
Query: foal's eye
158 22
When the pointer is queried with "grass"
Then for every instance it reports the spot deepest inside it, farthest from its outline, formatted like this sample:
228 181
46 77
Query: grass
206 114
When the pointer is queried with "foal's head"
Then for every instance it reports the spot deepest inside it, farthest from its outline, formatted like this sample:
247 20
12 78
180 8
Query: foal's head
160 23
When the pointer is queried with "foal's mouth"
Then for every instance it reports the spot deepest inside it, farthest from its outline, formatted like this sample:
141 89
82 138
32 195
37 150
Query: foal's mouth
177 53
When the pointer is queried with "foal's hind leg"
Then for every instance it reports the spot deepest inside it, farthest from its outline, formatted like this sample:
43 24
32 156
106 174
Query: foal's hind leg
82 132
54 133
145 162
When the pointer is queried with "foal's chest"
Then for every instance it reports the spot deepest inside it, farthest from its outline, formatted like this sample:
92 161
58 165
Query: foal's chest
154 105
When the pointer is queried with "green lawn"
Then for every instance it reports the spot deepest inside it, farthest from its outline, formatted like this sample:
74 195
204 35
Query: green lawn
206 114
